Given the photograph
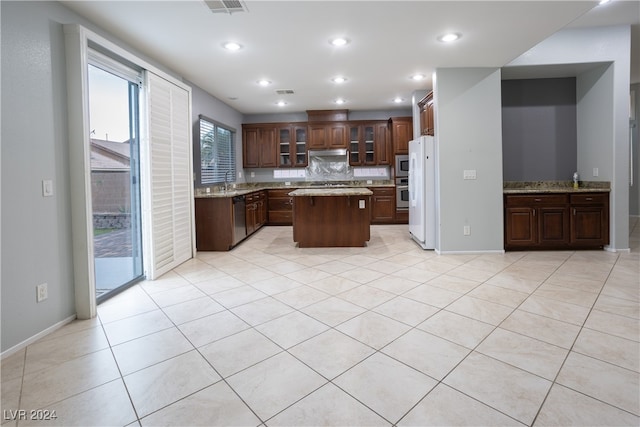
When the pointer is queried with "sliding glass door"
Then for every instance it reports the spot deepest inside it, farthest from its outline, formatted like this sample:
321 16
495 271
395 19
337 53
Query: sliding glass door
115 175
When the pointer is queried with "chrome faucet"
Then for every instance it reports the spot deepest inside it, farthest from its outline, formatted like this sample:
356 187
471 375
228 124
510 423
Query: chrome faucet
226 180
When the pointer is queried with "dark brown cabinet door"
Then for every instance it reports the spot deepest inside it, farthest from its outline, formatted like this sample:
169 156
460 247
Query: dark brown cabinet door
280 207
589 226
427 122
318 138
521 227
268 149
292 145
553 226
383 205
401 134
383 144
250 147
338 137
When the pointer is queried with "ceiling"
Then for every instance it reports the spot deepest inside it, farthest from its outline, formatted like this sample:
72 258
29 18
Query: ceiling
287 43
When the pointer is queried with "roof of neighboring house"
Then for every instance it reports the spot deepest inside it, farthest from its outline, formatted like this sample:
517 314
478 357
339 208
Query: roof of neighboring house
109 155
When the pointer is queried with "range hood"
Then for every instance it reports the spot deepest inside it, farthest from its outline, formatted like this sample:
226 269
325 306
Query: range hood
329 165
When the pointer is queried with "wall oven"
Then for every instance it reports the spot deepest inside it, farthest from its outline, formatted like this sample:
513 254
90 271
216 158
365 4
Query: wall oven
402 165
402 193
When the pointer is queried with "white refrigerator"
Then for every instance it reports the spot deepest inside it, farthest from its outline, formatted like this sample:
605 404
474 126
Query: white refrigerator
422 188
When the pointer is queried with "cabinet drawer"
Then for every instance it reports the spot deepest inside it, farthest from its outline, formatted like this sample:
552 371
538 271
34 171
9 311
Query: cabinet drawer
536 199
280 193
280 204
589 199
383 191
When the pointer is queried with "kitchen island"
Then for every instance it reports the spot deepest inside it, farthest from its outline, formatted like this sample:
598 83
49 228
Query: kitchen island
331 217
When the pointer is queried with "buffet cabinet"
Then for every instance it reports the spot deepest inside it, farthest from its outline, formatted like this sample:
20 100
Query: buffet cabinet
556 221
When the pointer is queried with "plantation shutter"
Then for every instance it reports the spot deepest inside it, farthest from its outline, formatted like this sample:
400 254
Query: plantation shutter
170 172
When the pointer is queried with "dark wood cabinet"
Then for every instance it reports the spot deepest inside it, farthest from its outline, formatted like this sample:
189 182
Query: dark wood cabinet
292 145
256 211
556 221
328 135
383 144
427 119
214 224
280 211
259 149
590 219
369 143
401 134
383 205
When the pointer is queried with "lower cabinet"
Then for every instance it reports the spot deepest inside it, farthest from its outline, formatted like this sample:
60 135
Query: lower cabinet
556 221
214 223
256 211
219 224
280 211
383 205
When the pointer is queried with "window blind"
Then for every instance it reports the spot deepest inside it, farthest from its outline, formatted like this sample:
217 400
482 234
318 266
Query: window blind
217 152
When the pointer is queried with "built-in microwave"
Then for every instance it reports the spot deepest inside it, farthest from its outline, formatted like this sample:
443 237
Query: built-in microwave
402 165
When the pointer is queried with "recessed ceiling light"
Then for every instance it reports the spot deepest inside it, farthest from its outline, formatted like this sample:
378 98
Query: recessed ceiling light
450 37
604 1
264 82
339 79
281 103
398 100
417 77
233 46
339 101
339 41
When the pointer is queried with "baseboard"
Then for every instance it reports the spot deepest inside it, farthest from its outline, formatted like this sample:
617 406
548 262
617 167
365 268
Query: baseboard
614 250
16 348
483 252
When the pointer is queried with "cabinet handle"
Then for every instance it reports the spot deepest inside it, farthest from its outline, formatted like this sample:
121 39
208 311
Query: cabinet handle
574 211
537 200
534 212
589 198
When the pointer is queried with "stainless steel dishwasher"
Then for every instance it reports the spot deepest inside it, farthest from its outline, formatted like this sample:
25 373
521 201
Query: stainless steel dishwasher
239 219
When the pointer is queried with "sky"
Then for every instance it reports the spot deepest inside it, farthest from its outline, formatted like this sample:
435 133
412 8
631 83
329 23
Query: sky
108 106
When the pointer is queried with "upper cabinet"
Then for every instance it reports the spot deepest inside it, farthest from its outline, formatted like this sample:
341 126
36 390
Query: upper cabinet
327 129
427 124
292 145
328 135
259 148
368 143
401 134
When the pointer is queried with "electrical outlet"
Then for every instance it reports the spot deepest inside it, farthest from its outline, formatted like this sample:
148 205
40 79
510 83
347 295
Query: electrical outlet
42 293
253 174
469 174
595 171
369 181
467 230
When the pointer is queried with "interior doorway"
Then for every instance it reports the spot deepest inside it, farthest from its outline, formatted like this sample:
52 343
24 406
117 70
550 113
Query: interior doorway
115 176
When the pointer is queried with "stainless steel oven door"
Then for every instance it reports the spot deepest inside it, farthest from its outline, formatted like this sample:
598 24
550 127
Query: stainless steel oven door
402 193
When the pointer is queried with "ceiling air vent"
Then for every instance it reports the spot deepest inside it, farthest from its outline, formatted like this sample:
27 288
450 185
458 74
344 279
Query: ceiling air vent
284 92
226 6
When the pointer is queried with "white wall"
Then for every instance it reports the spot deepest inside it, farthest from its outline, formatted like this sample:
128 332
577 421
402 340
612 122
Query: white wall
469 137
603 106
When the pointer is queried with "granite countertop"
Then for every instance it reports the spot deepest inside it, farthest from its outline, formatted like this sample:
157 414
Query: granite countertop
246 188
351 191
523 187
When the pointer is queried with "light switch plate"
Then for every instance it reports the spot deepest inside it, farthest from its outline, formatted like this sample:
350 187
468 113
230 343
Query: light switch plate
361 204
47 188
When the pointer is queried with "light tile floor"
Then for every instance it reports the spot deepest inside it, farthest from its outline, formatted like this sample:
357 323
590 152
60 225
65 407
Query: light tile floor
269 334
